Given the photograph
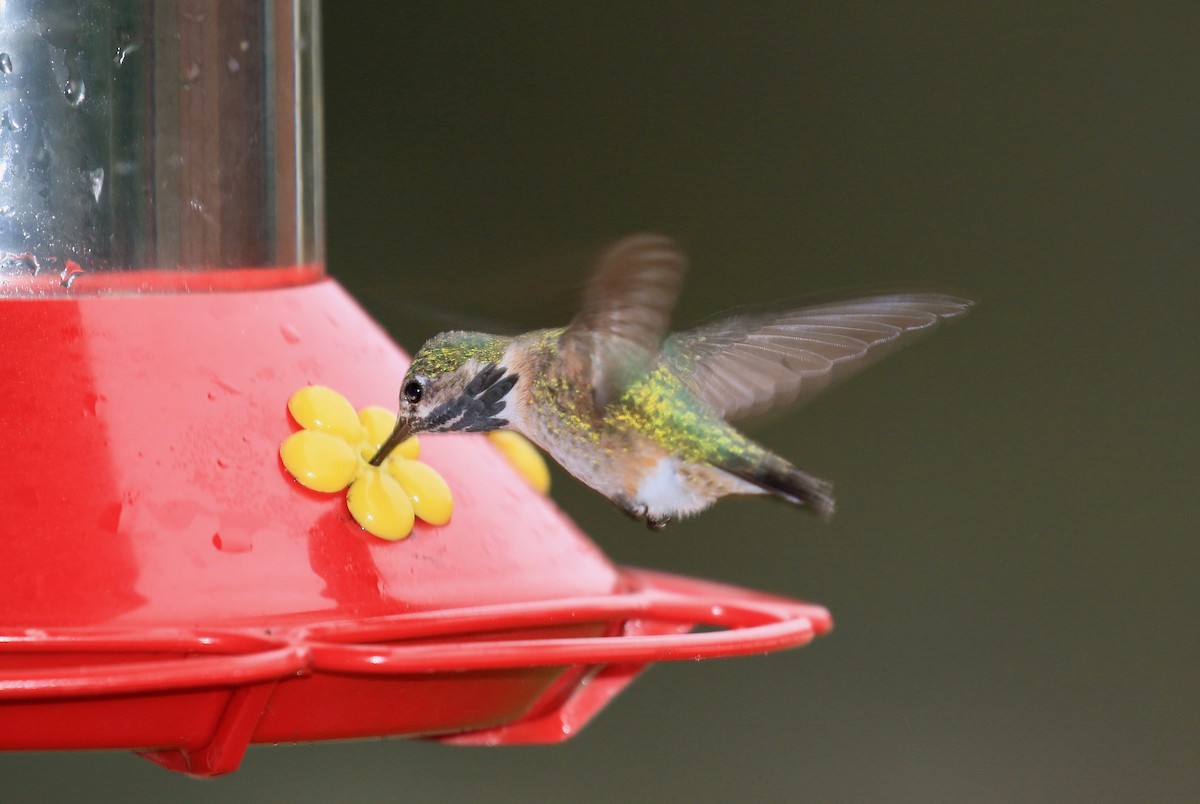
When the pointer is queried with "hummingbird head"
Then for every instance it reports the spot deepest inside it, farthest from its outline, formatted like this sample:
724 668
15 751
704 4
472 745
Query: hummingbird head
456 382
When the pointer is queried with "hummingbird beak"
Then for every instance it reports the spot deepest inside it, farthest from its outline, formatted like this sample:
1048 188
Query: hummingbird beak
399 436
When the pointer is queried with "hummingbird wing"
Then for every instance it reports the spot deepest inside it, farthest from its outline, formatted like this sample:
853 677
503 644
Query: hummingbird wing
747 364
627 305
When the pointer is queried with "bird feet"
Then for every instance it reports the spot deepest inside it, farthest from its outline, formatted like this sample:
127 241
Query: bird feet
642 514
656 523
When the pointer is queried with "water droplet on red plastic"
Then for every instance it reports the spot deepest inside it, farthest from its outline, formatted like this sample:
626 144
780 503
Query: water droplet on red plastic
226 386
237 541
110 518
93 404
290 334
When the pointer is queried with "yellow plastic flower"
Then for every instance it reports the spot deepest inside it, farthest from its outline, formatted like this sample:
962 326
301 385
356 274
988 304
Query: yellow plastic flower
524 457
333 451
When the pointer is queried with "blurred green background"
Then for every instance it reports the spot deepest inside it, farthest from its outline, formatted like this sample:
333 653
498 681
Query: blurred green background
1013 566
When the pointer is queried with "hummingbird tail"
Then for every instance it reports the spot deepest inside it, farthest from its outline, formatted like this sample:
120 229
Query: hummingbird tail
777 476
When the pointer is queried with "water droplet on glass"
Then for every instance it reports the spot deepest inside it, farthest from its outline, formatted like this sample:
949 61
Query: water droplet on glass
18 264
191 73
96 180
232 65
70 273
7 120
40 159
124 52
5 63
74 90
289 333
198 206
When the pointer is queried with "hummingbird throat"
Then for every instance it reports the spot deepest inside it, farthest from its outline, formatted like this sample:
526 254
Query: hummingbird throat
478 407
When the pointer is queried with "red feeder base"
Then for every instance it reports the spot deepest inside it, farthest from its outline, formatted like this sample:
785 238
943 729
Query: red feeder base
171 589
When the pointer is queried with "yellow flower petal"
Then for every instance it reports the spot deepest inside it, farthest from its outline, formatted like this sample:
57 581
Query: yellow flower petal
324 409
318 460
524 457
409 448
377 502
430 496
377 423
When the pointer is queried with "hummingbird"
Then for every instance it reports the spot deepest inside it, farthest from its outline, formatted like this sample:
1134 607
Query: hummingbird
640 414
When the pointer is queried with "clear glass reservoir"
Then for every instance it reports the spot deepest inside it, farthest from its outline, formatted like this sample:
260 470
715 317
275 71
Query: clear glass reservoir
158 144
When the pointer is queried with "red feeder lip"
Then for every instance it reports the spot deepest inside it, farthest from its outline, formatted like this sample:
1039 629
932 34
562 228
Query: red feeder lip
651 618
756 624
249 669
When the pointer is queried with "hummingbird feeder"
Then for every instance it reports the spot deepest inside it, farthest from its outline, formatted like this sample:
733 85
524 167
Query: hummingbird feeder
169 587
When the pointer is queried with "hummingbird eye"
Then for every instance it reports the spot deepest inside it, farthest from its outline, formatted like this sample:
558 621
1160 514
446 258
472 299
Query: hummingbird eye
413 391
